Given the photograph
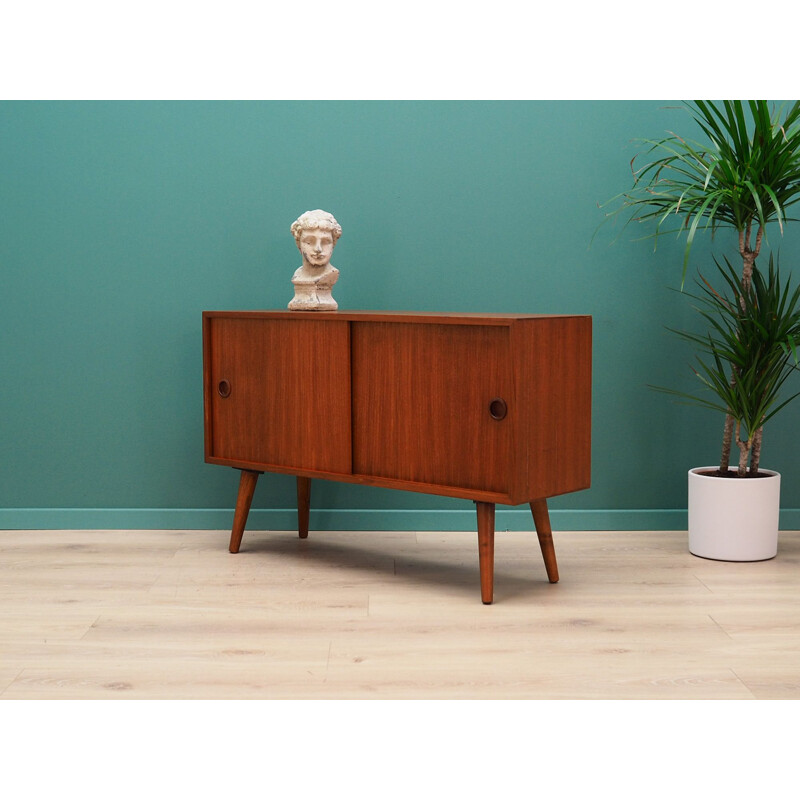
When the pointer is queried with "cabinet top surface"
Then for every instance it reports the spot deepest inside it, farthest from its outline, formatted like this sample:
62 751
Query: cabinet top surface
392 316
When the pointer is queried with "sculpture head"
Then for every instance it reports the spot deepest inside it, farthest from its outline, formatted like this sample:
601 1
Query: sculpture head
316 233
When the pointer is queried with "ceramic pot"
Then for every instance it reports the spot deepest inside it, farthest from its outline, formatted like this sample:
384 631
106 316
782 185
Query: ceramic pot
733 519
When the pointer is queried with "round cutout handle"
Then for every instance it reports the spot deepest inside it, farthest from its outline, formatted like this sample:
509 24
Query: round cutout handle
224 388
498 408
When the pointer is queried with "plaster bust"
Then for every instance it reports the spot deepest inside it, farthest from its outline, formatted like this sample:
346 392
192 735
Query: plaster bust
316 234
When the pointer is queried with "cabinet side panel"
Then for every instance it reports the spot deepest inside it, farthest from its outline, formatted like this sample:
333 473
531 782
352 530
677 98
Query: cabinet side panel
421 404
555 360
207 400
279 392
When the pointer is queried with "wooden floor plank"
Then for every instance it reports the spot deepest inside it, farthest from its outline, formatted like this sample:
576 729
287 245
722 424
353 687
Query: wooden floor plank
353 615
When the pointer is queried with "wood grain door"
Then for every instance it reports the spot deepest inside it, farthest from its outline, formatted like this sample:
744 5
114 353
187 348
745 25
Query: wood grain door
422 403
279 392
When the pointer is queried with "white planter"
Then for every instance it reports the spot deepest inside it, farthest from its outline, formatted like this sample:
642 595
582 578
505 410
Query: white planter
734 519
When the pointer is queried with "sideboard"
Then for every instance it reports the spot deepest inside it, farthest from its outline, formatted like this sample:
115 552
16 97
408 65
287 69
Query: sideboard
493 408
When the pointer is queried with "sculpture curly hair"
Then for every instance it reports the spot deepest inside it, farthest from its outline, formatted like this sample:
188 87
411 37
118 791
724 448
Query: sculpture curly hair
313 220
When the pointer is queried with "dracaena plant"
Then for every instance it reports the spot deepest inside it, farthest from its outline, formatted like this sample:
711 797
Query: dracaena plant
743 173
748 353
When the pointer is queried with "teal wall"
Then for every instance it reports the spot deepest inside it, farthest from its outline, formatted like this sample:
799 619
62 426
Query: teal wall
121 221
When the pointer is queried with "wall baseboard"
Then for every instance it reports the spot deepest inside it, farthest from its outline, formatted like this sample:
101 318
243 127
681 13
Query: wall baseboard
514 519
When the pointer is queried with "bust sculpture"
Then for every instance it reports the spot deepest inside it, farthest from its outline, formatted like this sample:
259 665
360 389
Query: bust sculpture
316 233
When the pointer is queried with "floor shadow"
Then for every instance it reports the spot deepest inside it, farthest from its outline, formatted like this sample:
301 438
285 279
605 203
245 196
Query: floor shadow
444 570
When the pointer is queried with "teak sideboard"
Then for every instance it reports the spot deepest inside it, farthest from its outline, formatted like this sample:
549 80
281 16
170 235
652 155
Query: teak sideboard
494 408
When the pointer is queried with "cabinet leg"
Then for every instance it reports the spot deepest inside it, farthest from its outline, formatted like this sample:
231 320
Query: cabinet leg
303 505
486 549
247 485
541 519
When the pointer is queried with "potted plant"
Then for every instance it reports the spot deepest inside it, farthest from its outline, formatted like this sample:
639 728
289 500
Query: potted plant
744 175
746 357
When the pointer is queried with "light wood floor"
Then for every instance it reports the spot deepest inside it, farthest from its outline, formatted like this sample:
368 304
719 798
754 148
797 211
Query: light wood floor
384 615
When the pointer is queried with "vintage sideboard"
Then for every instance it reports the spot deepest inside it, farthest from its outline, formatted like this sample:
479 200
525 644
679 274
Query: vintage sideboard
493 408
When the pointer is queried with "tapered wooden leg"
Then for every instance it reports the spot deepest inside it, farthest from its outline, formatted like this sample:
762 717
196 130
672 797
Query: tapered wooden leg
541 519
303 505
247 485
486 549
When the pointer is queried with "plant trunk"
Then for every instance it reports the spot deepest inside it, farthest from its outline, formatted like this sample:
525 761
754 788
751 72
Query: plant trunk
748 255
748 262
749 259
744 451
727 440
755 453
